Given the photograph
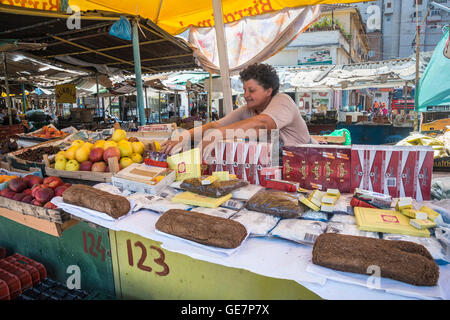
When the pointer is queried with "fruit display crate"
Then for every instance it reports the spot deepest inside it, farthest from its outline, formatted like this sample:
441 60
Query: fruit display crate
113 163
49 289
52 215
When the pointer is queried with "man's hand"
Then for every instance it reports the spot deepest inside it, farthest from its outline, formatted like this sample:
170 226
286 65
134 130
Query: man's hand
169 146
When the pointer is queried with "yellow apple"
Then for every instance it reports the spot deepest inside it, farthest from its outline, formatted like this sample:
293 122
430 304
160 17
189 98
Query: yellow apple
136 157
82 153
138 147
72 165
109 143
60 164
77 143
99 144
125 162
70 153
60 156
125 148
118 135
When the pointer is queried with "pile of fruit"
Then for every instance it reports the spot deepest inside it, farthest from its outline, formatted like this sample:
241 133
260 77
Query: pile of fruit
37 154
35 190
85 156
48 132
8 144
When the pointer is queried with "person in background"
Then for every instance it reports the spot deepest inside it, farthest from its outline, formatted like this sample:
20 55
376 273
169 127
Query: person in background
384 109
265 108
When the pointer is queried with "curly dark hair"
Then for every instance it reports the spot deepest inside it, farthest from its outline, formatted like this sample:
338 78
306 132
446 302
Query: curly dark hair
265 74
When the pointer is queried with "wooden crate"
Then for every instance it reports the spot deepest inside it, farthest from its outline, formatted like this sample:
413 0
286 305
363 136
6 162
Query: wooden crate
83 175
52 215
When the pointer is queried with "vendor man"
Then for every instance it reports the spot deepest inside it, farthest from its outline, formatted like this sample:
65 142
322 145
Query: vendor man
266 108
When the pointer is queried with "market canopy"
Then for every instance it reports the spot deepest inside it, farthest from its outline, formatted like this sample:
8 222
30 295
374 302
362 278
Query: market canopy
176 16
91 46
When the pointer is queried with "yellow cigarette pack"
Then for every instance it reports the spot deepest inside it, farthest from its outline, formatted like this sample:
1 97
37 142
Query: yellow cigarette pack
209 179
325 207
422 223
308 203
404 203
389 221
432 215
414 214
329 199
193 199
333 192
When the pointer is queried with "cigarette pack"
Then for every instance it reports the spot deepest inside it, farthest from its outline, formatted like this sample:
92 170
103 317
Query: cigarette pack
422 223
414 214
404 203
308 203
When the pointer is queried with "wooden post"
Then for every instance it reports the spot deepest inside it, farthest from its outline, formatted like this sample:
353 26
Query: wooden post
223 56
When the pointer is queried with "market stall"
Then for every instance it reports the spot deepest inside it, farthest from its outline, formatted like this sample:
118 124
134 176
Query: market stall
273 259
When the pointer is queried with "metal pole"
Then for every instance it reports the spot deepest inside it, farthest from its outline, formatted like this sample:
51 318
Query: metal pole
210 98
416 123
137 71
98 98
8 98
24 98
159 106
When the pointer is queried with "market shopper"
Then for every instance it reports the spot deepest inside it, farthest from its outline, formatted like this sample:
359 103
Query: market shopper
266 108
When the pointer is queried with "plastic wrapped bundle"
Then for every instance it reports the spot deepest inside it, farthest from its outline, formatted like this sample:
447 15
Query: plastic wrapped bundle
277 203
216 189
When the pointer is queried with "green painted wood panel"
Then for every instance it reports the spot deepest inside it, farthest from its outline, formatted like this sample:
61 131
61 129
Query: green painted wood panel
143 270
82 245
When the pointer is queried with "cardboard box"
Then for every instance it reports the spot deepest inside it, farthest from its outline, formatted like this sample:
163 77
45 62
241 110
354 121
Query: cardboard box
318 166
246 160
400 171
138 178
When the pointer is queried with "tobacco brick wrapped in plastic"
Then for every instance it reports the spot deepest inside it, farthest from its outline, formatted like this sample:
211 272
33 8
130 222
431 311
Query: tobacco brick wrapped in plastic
216 189
399 260
202 228
277 203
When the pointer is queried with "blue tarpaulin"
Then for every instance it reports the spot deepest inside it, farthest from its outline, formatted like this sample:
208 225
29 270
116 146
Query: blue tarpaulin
434 86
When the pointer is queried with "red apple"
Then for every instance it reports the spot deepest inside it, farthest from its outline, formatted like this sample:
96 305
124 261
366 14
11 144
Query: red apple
35 188
7 193
59 190
85 166
18 185
27 199
99 166
4 192
44 195
111 152
19 196
36 203
50 205
96 154
32 180
53 182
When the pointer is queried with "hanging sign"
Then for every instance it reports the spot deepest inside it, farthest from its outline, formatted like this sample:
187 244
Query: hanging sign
65 93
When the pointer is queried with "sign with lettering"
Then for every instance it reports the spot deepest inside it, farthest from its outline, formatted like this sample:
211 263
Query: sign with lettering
66 93
49 5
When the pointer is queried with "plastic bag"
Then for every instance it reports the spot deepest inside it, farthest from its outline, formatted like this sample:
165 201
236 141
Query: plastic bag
217 212
298 230
154 203
340 133
343 218
121 29
246 192
350 229
259 224
111 189
277 203
216 189
437 251
233 204
315 215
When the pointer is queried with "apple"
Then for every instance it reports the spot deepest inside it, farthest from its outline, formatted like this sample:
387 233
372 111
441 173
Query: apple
111 152
35 188
27 191
85 166
27 199
96 154
53 182
32 180
10 194
99 166
5 192
36 203
19 196
18 185
59 190
44 195
50 205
